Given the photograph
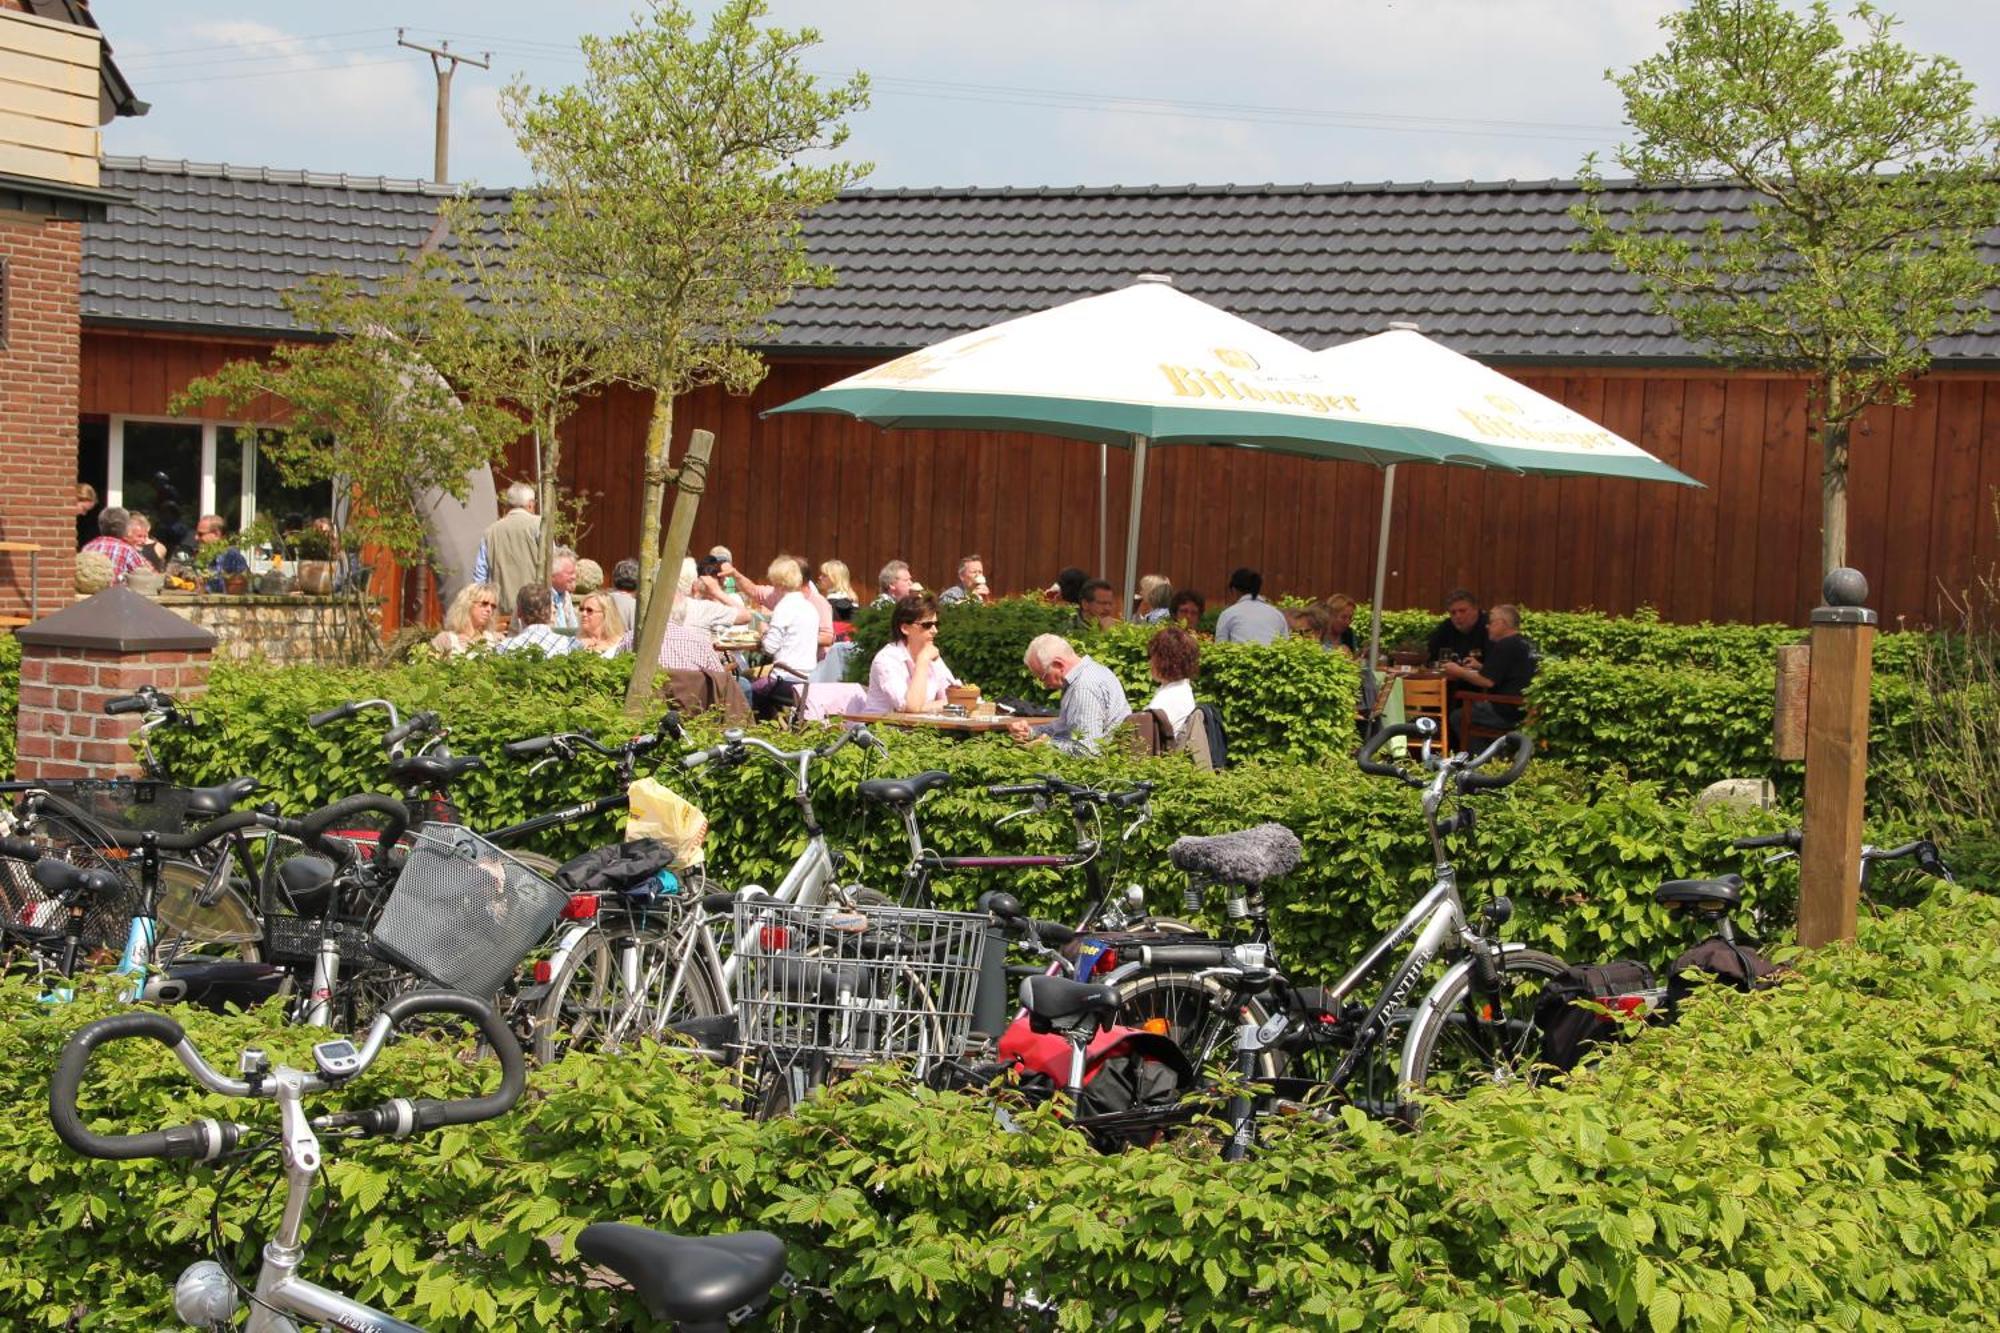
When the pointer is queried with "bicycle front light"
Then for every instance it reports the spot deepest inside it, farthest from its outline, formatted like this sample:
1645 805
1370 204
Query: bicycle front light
204 1296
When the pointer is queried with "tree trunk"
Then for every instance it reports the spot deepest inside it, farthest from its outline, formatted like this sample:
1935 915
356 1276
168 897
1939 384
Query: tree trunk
659 435
1833 497
548 463
653 616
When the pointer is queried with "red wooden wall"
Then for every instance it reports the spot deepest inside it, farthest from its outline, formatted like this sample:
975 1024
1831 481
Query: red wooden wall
1922 486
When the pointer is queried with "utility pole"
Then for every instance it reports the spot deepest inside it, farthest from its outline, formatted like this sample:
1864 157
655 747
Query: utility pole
444 63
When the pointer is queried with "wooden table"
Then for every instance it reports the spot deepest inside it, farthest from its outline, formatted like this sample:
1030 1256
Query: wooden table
938 721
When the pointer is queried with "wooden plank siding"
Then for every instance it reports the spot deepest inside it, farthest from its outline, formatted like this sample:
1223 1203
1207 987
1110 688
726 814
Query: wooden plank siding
1922 494
48 109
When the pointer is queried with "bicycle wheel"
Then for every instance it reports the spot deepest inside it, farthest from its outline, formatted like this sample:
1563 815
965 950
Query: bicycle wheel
680 980
581 996
1473 1037
1196 1012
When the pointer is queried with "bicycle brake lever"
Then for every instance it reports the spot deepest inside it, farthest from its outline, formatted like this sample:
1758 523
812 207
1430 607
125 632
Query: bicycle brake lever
1786 855
540 764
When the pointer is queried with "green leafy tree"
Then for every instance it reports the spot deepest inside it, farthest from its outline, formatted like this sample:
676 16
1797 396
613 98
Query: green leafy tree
531 340
673 182
1872 181
366 403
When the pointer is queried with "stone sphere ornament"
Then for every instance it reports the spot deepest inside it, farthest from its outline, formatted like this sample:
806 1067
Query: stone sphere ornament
1845 587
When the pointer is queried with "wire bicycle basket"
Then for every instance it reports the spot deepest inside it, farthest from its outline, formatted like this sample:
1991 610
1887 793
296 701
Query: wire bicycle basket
856 985
463 913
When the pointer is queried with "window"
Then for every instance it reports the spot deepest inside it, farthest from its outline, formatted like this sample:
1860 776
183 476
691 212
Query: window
176 471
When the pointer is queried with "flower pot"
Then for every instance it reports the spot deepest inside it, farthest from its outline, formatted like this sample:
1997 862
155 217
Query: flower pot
316 577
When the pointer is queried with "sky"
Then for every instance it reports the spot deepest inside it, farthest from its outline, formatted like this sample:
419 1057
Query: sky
1023 93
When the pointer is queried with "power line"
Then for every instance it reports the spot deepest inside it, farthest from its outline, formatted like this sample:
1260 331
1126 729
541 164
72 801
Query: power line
273 73
146 57
212 61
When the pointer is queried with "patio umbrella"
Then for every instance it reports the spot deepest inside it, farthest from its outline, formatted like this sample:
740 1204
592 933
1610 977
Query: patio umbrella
1429 392
1139 366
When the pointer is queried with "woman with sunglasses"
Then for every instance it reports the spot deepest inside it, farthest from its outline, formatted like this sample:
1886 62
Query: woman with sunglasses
908 676
472 622
599 627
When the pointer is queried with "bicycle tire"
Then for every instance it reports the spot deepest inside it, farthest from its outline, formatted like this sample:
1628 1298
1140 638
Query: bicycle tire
691 989
573 1012
1452 1050
1197 1016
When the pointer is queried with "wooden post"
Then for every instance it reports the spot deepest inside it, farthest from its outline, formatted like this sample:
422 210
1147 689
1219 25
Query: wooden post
673 549
1843 638
1788 717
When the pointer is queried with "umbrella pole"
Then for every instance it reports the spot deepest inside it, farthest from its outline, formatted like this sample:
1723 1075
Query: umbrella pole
1103 508
1374 661
1132 523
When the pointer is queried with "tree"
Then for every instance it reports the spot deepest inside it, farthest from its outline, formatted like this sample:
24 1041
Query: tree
530 341
1871 185
673 188
365 404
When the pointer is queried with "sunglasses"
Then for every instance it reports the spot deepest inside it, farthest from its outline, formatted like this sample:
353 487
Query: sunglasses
489 604
926 624
589 611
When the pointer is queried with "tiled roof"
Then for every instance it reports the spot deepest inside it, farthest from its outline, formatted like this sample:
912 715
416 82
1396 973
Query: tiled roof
1487 269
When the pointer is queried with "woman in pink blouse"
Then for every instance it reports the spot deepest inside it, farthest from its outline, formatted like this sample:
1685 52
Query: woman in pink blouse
908 676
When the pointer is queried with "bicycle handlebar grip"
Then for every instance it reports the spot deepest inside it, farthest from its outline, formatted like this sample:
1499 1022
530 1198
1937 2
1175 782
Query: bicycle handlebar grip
423 722
313 828
1186 955
20 849
331 715
1017 789
429 1114
204 1139
1413 731
62 879
1789 838
126 703
1524 750
531 746
135 839
1054 934
700 757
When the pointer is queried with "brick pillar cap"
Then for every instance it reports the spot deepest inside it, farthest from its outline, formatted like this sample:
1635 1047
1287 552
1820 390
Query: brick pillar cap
116 620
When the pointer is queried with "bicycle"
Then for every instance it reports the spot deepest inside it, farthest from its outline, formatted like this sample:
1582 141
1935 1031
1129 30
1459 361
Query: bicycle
1474 1023
704 1282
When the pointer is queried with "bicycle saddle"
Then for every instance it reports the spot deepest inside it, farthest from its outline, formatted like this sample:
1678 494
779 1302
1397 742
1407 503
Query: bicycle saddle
211 801
1724 892
432 769
1248 857
308 882
1061 1004
903 791
688 1279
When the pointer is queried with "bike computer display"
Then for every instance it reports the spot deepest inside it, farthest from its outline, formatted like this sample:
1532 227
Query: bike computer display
337 1059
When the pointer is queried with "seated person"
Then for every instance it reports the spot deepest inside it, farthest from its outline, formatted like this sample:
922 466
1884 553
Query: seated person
625 591
971 585
139 531
1188 609
1506 668
908 676
112 523
600 629
700 603
1461 635
836 585
1098 607
1173 658
532 606
472 622
1155 598
1341 608
1093 702
1249 618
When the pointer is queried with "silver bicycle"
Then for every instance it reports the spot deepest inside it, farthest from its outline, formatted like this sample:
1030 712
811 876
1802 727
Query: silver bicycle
706 1283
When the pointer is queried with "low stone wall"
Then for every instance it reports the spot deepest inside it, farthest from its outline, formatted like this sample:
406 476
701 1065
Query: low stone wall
289 628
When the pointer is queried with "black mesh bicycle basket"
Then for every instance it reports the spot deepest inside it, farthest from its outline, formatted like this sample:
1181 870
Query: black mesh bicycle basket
463 913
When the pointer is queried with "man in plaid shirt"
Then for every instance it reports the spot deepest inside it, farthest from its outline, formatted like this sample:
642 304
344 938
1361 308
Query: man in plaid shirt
110 542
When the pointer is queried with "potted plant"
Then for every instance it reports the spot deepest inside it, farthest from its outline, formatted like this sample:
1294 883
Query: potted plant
313 547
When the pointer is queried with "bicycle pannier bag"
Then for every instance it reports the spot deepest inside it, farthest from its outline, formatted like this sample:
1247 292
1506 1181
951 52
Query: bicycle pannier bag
1717 959
1569 1030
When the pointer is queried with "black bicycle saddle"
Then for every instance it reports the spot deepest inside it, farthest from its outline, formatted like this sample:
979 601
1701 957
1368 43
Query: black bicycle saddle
688 1279
1727 891
432 769
209 802
903 791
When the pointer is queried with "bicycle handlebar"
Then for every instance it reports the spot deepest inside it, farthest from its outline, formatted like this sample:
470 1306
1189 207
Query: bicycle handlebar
422 724
1423 729
534 745
333 715
1790 838
1473 780
145 701
21 849
203 1140
208 1139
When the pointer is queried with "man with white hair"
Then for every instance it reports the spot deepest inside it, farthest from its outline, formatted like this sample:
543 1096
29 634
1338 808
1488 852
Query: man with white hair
1093 702
562 589
894 582
510 557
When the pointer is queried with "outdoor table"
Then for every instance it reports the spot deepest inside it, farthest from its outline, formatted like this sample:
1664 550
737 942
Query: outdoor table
938 721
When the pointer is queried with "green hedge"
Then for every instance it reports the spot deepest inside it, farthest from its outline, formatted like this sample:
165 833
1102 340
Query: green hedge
10 700
1290 700
1579 856
1817 1156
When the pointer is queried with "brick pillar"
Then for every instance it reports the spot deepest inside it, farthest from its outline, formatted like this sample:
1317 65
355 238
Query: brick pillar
73 661
41 263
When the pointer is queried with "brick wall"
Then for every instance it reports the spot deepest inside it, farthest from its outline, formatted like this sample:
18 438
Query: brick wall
38 404
62 731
